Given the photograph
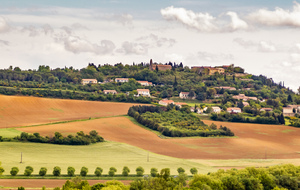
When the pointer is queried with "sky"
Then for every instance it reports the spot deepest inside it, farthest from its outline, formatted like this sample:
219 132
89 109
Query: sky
263 37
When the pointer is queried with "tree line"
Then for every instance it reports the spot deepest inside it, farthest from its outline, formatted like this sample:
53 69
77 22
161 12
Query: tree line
281 177
79 139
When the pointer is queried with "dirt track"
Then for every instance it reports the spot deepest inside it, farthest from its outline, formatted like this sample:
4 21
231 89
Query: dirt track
16 111
38 183
252 142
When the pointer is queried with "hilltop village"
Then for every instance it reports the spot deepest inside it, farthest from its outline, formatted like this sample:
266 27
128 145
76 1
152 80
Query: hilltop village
224 93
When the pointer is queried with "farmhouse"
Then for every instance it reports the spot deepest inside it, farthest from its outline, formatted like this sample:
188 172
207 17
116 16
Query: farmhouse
290 110
245 104
243 97
145 83
234 110
160 67
198 110
121 80
165 102
226 88
184 95
143 92
266 109
216 109
180 104
88 81
208 70
109 92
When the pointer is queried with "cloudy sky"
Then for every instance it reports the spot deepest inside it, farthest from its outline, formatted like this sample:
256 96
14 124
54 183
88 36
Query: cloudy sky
261 36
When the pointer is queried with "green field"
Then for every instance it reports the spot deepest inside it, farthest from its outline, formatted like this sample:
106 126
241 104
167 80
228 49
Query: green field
9 133
104 155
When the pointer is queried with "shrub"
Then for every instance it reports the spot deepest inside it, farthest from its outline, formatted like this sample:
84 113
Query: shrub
153 172
84 171
43 171
139 171
180 170
56 171
194 171
165 173
14 171
125 171
98 171
21 188
28 171
112 171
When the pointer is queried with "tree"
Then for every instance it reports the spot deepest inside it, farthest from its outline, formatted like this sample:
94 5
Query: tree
98 171
112 171
290 98
165 173
139 171
153 172
56 171
194 171
28 170
1 169
71 171
14 171
180 170
84 171
191 94
43 171
125 171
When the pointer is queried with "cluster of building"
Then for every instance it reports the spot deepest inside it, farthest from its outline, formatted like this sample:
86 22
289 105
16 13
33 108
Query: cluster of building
141 92
244 97
165 102
211 70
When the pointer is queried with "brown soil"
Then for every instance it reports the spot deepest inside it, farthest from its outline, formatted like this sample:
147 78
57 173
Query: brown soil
38 183
16 111
253 141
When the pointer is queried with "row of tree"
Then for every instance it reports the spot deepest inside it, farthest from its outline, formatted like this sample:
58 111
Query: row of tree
79 139
84 171
283 177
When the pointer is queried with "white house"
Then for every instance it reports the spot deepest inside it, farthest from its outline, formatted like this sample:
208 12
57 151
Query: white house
121 80
184 95
216 109
145 83
143 92
109 92
165 102
88 81
234 110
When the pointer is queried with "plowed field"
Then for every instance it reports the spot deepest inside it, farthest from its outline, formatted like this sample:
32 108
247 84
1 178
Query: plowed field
16 111
253 141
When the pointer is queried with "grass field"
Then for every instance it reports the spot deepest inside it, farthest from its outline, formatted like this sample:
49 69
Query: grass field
104 155
9 132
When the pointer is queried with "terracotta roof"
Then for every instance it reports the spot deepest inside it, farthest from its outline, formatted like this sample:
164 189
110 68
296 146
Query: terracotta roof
180 103
167 101
143 90
233 108
184 93
89 79
109 91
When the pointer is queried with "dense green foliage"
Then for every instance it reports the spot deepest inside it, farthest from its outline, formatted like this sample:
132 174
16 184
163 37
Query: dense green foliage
56 171
43 171
28 171
267 118
14 171
175 123
71 171
58 138
98 171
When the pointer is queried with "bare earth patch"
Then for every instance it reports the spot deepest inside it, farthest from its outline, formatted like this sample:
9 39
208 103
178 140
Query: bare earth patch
16 111
38 183
253 141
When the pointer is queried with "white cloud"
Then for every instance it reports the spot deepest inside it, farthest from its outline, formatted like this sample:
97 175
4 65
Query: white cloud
278 17
4 42
174 57
133 48
4 27
203 22
212 57
261 46
154 41
78 45
236 22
